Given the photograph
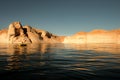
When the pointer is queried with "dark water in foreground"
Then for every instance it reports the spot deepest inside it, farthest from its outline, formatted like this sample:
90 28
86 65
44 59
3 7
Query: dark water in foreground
60 61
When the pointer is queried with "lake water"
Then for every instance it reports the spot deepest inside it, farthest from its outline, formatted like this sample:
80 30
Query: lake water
60 61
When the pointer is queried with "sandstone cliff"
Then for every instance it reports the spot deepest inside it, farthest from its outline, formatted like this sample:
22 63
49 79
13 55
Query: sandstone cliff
95 36
16 33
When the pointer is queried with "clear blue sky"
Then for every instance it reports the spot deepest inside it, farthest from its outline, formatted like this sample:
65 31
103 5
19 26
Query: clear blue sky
62 17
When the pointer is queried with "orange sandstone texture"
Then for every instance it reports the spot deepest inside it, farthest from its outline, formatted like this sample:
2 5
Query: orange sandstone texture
16 33
95 36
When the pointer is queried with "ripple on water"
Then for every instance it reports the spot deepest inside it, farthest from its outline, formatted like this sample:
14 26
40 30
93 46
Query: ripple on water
60 61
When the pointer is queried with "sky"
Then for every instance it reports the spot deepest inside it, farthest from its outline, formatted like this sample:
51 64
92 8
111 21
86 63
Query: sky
62 17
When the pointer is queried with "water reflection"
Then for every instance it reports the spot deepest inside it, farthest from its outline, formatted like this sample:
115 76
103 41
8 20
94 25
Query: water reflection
95 56
44 48
32 55
29 49
110 48
15 62
58 60
21 57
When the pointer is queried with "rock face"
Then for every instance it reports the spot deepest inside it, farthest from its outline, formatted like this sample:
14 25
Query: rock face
16 33
95 36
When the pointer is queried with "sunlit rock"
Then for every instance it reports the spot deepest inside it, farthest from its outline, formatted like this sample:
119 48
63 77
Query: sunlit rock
16 33
3 36
79 37
95 36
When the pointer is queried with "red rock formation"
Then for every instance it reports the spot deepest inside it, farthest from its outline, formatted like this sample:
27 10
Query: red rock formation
17 33
95 36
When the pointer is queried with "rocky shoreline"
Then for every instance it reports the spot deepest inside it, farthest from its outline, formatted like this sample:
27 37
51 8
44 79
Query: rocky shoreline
16 33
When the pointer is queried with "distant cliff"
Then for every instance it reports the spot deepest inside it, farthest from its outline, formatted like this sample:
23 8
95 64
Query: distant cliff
95 36
16 33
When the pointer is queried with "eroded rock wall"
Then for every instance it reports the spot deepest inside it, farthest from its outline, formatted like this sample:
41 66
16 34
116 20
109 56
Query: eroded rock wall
16 33
96 36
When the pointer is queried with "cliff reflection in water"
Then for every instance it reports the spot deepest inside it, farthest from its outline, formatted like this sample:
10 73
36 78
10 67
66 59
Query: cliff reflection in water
110 48
46 48
77 61
20 57
29 49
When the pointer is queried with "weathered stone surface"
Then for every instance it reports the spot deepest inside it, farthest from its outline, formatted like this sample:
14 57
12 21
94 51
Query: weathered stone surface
3 36
95 36
16 33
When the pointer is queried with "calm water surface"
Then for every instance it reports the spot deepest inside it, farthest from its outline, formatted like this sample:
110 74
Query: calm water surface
60 61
